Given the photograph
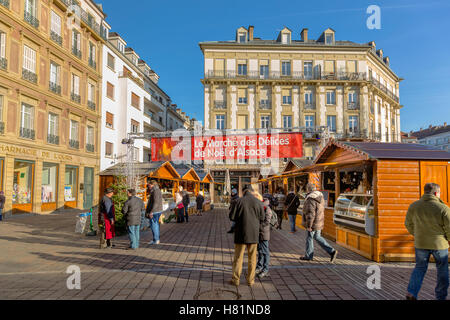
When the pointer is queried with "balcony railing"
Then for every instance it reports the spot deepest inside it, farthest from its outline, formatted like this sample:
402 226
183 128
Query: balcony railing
27 133
220 104
52 139
92 63
130 76
297 75
75 97
310 106
56 37
76 52
352 106
32 20
4 3
265 104
29 76
91 105
2 127
74 144
3 63
383 88
55 88
90 147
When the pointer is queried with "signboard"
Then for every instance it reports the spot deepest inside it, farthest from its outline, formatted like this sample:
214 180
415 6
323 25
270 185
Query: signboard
230 147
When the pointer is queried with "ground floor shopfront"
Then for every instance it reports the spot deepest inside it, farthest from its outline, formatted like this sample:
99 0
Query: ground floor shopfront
40 181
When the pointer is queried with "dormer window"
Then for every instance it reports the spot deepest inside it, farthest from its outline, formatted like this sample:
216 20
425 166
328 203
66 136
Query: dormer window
120 46
285 38
329 38
242 37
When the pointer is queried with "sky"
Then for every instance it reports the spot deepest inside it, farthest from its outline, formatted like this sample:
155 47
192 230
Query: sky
414 34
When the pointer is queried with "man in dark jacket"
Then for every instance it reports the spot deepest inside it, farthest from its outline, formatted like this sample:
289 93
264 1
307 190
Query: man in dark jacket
154 210
292 202
2 204
262 268
248 213
186 202
106 219
132 210
313 221
199 201
234 197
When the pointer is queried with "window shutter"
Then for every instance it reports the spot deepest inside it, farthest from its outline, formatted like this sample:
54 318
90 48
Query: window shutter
351 66
329 66
135 100
110 90
219 65
110 119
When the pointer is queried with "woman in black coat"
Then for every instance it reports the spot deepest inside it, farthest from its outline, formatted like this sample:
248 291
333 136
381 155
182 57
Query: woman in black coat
200 200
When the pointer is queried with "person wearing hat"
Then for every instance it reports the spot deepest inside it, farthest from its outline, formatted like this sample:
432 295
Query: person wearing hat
234 197
106 219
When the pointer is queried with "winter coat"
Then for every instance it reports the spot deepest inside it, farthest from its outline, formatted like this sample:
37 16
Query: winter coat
314 211
428 220
2 202
264 229
281 199
200 200
248 213
292 203
132 210
154 204
106 207
233 201
186 199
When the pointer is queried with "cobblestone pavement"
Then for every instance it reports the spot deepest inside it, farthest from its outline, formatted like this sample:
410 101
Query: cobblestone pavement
192 262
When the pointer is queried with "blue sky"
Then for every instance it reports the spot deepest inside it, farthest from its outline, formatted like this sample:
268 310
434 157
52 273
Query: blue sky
414 34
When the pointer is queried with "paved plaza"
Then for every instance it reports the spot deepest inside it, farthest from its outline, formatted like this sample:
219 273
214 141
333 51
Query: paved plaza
193 262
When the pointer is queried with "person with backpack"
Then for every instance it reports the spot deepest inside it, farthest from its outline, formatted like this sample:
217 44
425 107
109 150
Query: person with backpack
278 204
292 203
262 267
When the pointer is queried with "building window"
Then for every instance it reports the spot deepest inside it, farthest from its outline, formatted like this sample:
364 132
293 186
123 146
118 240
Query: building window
135 154
2 50
220 122
331 97
23 182
27 121
286 68
49 183
287 122
52 133
120 46
265 122
109 149
242 67
353 124
92 55
308 69
242 96
285 38
55 28
30 9
90 138
308 98
242 123
29 59
135 100
109 120
111 62
242 37
134 126
331 123
1 110
110 90
264 71
76 88
76 43
329 38
309 122
74 134
287 97
70 184
91 96
55 77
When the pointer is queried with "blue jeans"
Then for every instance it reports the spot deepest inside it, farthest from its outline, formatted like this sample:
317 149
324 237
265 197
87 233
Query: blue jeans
1 217
316 235
186 214
263 256
292 220
134 235
154 225
422 260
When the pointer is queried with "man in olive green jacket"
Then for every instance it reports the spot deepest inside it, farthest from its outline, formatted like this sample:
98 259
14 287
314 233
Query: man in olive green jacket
428 220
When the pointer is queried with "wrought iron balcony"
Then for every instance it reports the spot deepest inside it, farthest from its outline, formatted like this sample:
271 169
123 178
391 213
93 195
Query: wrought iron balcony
74 144
3 63
29 76
4 3
75 97
220 104
27 133
310 106
92 63
352 105
32 20
56 37
55 88
90 148
2 127
383 88
91 105
76 52
265 104
52 139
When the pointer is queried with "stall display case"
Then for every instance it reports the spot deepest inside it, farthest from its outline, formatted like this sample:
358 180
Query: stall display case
168 201
355 211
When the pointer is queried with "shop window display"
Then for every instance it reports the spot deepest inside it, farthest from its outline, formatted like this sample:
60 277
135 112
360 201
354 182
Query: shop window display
23 182
70 185
49 183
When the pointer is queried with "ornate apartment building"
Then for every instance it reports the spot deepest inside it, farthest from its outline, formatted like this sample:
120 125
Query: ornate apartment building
50 80
306 83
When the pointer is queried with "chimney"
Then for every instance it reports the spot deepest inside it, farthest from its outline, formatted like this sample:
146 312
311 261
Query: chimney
386 61
304 35
250 33
380 53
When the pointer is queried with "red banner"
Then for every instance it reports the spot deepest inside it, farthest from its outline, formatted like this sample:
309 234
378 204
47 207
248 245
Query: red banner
275 146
